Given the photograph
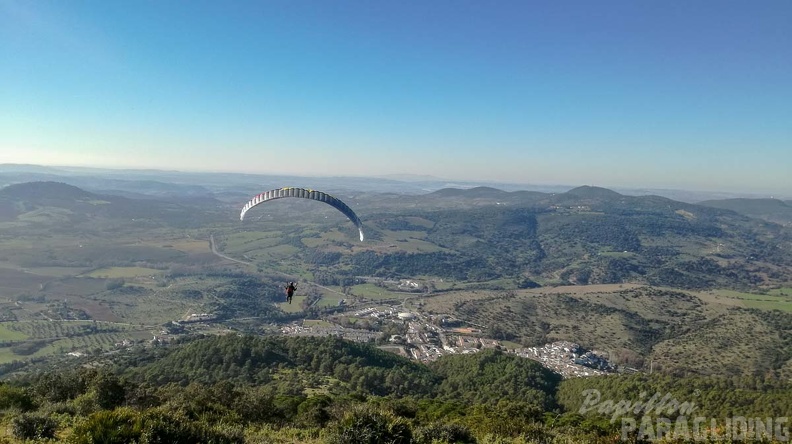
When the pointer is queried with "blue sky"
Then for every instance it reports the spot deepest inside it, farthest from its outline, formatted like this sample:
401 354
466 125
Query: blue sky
690 95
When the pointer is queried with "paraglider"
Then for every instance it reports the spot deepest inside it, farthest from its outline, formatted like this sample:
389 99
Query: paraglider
290 289
303 193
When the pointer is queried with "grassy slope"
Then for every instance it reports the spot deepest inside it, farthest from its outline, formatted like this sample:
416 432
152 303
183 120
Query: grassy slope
674 331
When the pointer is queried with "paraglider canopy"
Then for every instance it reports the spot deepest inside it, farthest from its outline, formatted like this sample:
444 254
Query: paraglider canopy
304 193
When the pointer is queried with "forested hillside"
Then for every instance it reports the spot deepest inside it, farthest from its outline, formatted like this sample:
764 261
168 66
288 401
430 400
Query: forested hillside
588 235
243 389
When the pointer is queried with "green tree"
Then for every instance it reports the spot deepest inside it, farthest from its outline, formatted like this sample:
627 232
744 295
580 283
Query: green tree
109 390
368 425
33 426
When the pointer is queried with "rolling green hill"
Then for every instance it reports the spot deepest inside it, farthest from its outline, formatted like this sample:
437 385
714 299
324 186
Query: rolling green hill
588 235
653 329
257 360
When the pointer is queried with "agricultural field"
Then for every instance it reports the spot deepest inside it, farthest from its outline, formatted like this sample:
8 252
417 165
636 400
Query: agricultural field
330 301
11 334
294 307
60 329
94 343
58 271
244 242
777 299
325 238
17 281
410 244
374 292
446 302
584 289
316 323
47 323
96 308
783 291
122 272
155 310
32 339
187 245
46 215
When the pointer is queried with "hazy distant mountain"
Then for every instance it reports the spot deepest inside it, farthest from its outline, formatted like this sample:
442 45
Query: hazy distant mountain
173 183
26 168
107 185
589 192
414 178
461 198
64 205
584 196
44 192
772 210
470 192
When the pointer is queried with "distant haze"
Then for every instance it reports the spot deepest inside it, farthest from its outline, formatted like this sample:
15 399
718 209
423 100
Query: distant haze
153 181
620 94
